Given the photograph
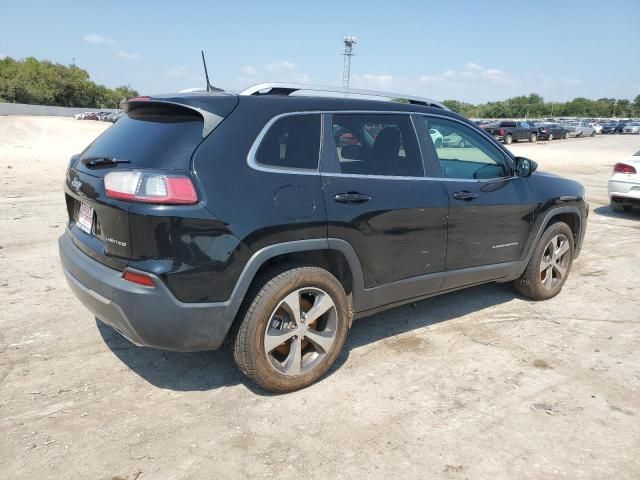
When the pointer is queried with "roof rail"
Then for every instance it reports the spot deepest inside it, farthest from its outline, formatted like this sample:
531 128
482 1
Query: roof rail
286 89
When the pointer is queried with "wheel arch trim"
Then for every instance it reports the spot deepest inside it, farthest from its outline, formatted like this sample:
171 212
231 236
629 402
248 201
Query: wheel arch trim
261 256
544 223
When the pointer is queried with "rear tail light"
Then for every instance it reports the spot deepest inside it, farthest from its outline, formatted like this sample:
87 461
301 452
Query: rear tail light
139 278
501 131
146 187
623 168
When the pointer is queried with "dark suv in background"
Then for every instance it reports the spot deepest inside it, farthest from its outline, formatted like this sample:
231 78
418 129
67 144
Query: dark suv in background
275 220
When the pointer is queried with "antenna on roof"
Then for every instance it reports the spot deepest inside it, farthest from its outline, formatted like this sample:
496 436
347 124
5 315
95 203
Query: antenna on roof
210 88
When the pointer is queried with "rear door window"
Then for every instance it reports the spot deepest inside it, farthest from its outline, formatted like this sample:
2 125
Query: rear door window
376 144
292 142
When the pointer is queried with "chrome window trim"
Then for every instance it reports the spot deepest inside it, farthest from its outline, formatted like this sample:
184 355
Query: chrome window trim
251 156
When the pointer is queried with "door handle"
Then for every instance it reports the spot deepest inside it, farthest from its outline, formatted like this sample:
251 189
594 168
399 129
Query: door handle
465 195
351 197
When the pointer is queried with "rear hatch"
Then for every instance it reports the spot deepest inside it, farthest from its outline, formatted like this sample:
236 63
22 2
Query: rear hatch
157 134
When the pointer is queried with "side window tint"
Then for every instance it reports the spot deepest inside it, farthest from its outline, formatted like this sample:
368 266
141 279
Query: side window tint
464 153
292 142
377 144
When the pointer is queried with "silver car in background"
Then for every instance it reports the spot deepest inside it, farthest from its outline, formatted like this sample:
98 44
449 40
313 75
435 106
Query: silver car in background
583 129
633 127
624 184
572 129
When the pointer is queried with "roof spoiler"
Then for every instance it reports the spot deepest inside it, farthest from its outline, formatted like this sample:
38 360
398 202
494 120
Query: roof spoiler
211 120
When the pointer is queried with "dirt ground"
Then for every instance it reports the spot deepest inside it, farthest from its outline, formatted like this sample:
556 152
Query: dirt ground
477 384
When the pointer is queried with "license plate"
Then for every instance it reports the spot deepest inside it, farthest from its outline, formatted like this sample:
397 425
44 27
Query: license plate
85 218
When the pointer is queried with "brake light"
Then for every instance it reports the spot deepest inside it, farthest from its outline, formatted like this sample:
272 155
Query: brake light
139 99
623 168
145 187
139 278
501 131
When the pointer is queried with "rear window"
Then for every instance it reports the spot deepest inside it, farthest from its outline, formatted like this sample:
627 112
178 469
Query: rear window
154 136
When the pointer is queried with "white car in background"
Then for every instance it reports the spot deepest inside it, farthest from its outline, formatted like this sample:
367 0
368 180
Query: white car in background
624 184
436 137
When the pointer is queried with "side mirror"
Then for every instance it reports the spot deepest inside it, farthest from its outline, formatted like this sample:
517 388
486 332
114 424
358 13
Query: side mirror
353 152
525 167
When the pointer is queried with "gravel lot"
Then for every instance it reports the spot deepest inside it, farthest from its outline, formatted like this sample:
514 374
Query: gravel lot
476 384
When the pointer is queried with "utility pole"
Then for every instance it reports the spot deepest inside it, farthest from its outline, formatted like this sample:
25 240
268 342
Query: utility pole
349 42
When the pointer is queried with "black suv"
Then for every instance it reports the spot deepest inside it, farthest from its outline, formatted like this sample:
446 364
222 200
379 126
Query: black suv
274 220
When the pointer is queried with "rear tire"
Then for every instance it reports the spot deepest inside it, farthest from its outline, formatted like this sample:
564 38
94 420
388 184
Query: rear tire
508 139
533 138
566 135
292 329
593 134
549 265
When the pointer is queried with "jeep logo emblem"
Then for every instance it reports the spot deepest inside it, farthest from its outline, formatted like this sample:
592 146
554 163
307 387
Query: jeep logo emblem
76 184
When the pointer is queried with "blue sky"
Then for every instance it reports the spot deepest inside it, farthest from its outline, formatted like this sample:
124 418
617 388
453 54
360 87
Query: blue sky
467 50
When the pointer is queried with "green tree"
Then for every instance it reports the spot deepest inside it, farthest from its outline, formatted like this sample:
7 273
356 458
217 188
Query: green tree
45 83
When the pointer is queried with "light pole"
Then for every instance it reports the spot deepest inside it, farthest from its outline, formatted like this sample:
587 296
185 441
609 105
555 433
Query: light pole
349 42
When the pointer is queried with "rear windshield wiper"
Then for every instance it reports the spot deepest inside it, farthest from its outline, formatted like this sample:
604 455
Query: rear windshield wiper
102 161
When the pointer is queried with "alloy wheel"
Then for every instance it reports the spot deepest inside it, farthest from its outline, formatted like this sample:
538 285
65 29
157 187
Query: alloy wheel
301 331
555 262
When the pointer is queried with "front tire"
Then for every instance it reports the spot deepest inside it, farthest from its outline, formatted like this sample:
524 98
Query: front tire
293 329
566 135
549 265
550 138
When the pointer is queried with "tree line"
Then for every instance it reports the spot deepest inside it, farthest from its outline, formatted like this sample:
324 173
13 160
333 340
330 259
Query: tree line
43 82
534 106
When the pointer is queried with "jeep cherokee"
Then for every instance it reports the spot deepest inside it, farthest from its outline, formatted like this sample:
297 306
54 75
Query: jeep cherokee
274 220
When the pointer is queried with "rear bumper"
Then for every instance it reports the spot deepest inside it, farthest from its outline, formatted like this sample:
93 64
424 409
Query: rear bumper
147 316
621 188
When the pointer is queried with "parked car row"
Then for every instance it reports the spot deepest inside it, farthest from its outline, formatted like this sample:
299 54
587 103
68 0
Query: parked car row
101 116
508 131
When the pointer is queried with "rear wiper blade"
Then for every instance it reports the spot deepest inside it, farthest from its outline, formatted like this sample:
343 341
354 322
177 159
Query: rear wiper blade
95 161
